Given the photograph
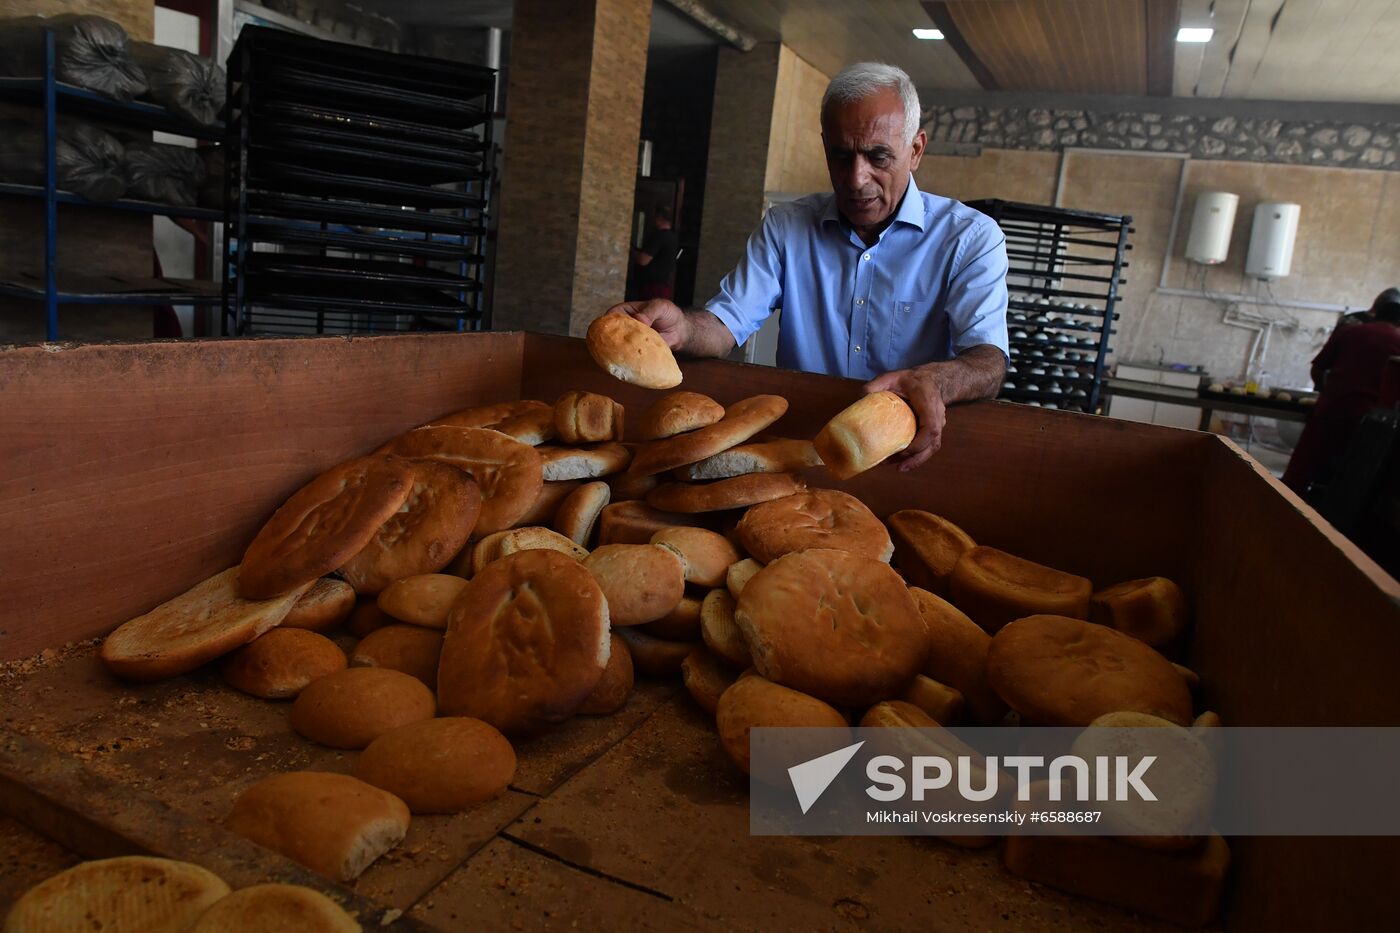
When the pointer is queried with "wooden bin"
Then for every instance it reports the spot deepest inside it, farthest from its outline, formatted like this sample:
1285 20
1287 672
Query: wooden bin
130 472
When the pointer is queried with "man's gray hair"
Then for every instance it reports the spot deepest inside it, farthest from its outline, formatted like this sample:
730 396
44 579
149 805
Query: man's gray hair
861 80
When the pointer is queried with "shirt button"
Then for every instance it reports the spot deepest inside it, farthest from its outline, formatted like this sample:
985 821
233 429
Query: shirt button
860 301
857 349
865 258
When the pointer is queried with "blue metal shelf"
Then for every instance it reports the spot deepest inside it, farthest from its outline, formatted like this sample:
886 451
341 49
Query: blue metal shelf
122 204
165 292
80 101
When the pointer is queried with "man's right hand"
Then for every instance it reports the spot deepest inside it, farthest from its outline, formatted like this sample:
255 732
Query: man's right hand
662 316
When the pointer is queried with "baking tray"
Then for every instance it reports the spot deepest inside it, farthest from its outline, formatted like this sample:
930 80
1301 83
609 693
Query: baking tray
340 269
370 125
351 241
271 132
351 161
306 84
356 213
361 188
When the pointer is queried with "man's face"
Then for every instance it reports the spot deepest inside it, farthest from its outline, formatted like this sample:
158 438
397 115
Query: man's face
868 157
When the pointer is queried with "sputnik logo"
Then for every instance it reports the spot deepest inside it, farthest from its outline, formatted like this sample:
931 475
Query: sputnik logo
811 778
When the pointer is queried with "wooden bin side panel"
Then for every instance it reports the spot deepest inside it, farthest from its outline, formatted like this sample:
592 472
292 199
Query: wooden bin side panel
130 472
1111 500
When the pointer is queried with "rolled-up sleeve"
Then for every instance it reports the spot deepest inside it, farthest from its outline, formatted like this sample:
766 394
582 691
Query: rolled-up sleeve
976 302
748 295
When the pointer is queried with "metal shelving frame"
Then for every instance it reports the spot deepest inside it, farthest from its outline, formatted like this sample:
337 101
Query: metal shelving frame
294 200
1065 270
53 97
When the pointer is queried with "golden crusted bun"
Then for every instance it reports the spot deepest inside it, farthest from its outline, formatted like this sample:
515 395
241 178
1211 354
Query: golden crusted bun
576 463
835 625
439 765
680 624
576 515
776 456
957 655
423 599
633 352
706 678
741 421
430 527
942 703
642 582
276 908
551 497
509 474
514 540
721 631
1057 671
130 894
328 603
194 628
527 642
628 486
927 548
654 657
706 554
280 663
615 686
1152 610
739 573
816 518
324 524
587 418
529 422
410 649
334 824
634 522
735 493
865 434
994 588
678 413
754 701
353 707
897 714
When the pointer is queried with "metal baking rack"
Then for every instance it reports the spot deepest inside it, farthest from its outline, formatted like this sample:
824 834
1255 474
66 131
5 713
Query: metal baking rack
1065 269
56 288
358 188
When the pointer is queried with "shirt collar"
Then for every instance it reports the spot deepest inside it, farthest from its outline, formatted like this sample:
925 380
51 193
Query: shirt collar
911 208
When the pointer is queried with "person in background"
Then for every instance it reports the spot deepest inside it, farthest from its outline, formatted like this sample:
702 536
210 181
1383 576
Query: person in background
1348 373
656 259
876 280
1389 296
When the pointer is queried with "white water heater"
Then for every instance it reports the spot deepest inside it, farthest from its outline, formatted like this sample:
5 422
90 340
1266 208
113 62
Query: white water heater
1211 226
1271 240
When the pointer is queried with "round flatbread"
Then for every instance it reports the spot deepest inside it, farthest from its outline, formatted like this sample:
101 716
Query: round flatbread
817 518
276 908
194 628
131 894
527 642
426 532
324 524
741 421
631 351
528 421
737 492
677 413
835 625
509 474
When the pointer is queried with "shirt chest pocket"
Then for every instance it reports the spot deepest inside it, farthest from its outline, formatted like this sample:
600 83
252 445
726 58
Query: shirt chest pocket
893 328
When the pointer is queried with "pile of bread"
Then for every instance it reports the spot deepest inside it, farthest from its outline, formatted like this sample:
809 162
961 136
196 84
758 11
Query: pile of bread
509 567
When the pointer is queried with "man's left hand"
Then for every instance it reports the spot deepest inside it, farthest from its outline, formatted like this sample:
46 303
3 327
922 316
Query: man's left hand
922 392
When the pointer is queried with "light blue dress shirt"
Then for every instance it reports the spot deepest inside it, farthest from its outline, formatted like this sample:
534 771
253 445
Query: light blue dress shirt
932 286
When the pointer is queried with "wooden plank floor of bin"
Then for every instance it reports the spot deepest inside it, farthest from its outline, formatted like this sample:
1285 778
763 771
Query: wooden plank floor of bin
665 811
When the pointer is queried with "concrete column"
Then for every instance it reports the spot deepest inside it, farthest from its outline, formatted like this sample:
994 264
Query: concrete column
577 72
765 135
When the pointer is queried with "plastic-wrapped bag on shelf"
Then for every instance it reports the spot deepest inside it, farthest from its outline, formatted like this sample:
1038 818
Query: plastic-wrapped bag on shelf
89 160
187 85
91 52
164 173
211 192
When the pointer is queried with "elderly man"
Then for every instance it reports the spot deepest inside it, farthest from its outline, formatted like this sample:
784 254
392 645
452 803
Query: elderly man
877 280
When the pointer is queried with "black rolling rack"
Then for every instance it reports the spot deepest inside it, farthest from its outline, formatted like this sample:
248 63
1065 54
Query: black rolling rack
358 187
1063 280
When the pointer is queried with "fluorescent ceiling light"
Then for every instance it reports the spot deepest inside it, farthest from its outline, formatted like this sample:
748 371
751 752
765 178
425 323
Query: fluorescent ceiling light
928 34
1189 34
